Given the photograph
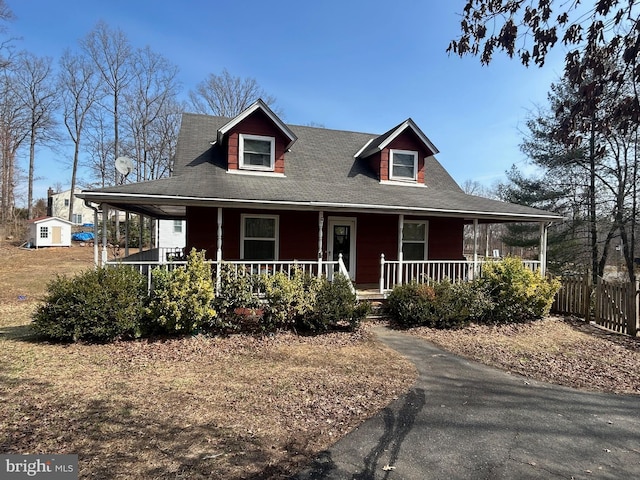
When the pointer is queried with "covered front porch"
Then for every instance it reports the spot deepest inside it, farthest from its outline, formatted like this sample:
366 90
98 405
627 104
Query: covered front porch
375 250
390 273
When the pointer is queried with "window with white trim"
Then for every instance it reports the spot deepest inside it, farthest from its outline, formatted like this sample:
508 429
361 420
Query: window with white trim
177 226
256 152
44 232
403 165
414 241
77 218
259 237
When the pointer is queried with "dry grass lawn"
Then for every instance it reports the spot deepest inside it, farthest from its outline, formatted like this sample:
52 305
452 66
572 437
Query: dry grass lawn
241 407
196 407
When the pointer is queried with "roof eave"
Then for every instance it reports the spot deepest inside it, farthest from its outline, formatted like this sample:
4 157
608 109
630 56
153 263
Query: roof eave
142 199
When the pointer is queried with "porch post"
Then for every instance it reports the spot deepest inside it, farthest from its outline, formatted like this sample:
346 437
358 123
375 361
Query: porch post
153 227
105 221
126 234
141 231
320 226
475 248
219 249
95 238
219 237
542 255
400 254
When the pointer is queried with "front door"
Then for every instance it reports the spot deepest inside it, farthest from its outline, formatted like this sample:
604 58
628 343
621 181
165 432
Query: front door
341 239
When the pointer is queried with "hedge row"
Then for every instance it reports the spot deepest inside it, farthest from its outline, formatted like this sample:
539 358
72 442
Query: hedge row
105 304
506 292
108 303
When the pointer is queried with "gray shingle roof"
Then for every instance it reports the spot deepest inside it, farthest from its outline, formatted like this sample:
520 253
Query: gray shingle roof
320 173
375 145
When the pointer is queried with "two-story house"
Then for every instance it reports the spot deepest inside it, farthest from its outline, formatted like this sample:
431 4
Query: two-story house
252 188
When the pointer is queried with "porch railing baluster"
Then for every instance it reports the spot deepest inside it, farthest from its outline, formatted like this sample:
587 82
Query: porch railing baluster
428 271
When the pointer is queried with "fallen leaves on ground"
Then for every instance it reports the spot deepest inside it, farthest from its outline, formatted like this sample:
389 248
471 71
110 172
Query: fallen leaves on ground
561 350
196 407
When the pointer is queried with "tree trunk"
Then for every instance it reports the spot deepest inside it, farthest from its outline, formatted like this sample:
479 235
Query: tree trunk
32 157
74 171
592 203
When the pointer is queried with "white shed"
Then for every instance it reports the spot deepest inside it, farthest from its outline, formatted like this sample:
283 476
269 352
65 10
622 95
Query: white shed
49 232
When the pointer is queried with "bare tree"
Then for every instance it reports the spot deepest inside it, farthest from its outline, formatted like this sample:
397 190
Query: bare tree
6 15
80 89
111 53
153 91
11 122
33 84
226 95
14 129
101 152
164 137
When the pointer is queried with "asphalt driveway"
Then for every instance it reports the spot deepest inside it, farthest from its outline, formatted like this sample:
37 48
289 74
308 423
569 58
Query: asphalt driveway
463 420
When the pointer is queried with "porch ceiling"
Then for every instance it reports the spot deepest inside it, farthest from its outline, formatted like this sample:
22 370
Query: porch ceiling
154 210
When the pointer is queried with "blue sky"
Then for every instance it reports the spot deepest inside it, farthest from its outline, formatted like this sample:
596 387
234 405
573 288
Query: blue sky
349 65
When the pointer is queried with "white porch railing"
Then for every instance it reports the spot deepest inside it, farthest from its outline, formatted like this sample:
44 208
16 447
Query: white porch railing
318 268
394 272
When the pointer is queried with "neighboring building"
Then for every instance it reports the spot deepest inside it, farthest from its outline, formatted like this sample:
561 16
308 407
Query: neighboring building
58 206
172 233
255 188
49 232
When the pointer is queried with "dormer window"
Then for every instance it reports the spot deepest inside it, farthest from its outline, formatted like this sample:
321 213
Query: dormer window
257 152
404 165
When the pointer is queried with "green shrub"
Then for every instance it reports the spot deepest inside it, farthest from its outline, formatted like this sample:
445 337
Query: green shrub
181 299
336 305
411 304
236 300
296 301
287 300
440 305
94 306
518 294
457 304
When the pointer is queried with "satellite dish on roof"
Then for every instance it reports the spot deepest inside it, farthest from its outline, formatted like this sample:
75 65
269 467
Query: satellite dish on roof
124 165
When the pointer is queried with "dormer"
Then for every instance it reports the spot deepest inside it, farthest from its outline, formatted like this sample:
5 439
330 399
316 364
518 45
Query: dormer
398 156
256 141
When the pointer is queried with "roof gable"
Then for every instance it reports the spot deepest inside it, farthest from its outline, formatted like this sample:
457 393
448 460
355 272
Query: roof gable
254 107
378 144
49 219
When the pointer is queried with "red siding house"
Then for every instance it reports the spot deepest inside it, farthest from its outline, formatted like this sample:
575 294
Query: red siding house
254 189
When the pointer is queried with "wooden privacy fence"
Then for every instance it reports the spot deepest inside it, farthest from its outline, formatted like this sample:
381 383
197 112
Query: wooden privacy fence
614 306
574 297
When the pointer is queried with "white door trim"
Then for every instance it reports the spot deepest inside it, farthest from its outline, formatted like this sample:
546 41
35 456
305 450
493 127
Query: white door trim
352 223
